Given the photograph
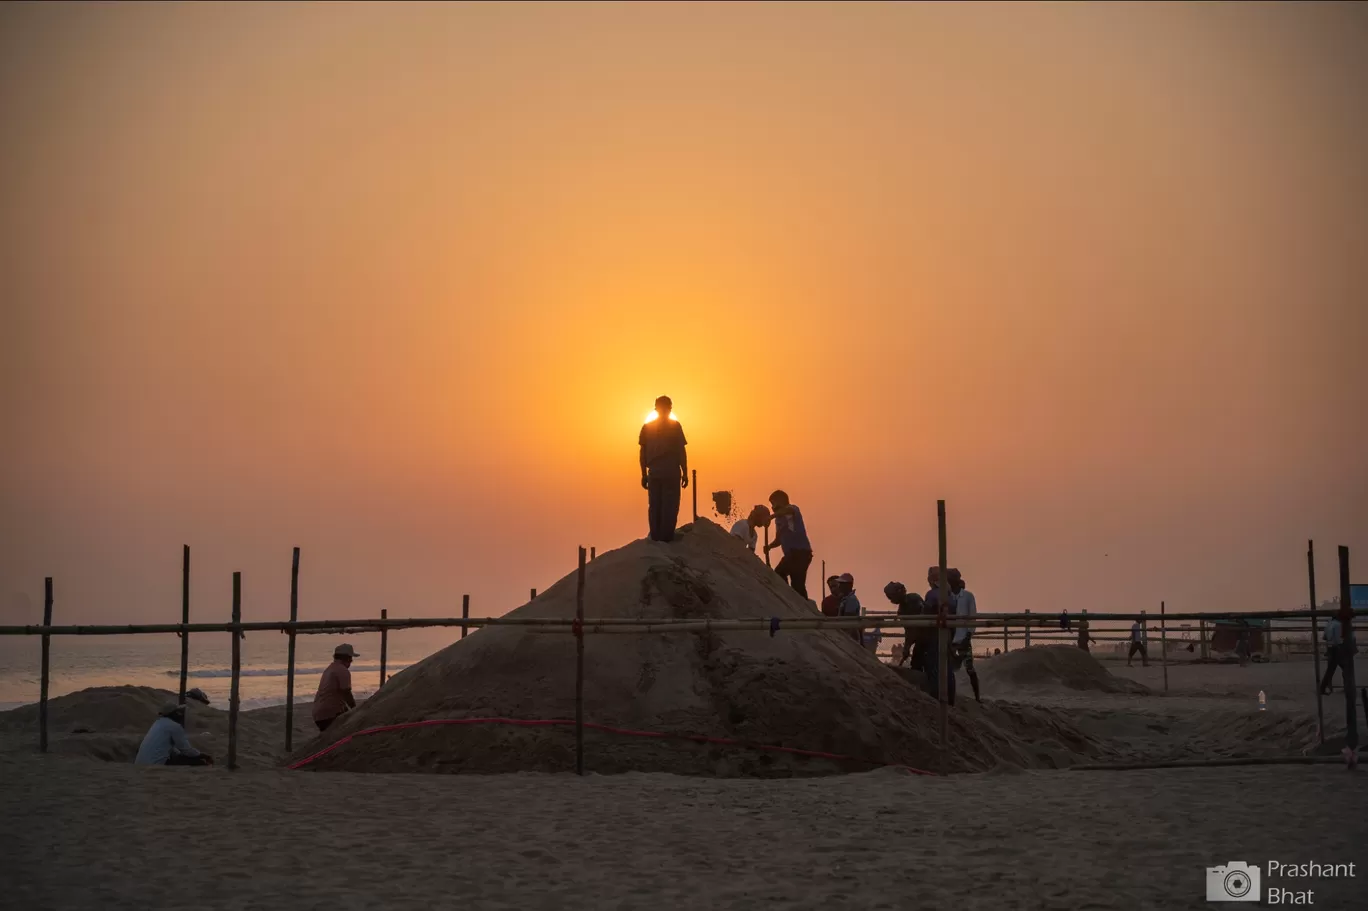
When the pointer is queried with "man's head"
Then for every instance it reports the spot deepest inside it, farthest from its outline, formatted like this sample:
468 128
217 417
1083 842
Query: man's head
956 580
663 407
779 499
345 653
174 711
832 582
845 583
895 592
933 576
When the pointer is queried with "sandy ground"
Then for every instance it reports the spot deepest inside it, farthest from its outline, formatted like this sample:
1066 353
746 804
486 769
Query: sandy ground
79 832
112 836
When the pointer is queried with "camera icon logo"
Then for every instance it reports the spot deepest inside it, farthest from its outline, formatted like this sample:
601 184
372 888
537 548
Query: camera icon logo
1235 881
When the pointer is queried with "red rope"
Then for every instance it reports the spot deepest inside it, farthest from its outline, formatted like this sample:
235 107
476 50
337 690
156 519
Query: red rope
524 722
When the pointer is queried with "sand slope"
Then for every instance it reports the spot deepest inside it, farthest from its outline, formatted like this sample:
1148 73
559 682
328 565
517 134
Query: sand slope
815 691
1053 666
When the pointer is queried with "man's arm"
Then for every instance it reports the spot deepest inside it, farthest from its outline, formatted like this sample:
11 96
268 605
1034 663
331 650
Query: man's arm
182 743
349 698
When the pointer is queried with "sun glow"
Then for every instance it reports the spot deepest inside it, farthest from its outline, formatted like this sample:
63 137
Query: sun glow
651 416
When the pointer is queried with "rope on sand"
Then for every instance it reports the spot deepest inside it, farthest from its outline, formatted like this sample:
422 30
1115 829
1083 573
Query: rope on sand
1209 763
558 722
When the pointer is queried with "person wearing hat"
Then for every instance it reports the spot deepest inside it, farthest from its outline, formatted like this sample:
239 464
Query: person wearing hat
847 603
334 694
664 468
165 742
831 604
963 642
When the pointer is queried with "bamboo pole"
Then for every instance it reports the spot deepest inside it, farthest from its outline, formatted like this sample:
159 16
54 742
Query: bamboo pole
579 668
1208 763
593 552
1027 627
534 595
1163 643
1346 649
695 494
465 614
185 618
384 645
237 670
43 683
942 633
290 665
767 549
1202 633
1315 637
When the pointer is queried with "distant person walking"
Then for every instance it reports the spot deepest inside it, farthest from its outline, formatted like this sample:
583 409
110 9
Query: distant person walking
1138 643
334 694
1334 654
165 742
745 528
1084 637
790 534
965 606
664 468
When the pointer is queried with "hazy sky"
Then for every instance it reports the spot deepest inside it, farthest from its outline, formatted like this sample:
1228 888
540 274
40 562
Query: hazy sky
396 284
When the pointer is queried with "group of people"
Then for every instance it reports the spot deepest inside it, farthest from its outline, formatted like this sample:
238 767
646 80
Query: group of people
166 742
920 646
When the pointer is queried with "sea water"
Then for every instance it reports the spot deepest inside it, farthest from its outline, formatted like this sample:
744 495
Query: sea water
78 662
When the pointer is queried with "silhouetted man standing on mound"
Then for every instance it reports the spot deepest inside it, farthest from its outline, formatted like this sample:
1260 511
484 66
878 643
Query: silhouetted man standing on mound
664 468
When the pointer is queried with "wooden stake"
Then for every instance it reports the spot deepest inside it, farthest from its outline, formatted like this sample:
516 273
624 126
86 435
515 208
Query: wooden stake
1346 649
1202 634
185 618
384 644
1004 636
694 484
237 669
943 633
579 669
290 665
593 552
767 560
1315 637
43 683
1027 627
1163 643
465 614
534 595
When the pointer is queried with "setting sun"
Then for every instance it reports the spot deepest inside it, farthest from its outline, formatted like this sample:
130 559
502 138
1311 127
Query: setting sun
651 416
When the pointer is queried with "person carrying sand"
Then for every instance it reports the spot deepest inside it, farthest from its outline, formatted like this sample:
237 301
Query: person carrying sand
334 694
963 642
910 604
1138 644
664 469
791 535
165 742
745 528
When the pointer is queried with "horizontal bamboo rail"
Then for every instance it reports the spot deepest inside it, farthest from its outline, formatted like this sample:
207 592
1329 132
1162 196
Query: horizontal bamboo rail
816 621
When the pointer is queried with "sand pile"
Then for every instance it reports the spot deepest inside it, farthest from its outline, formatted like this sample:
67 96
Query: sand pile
108 723
805 690
1052 666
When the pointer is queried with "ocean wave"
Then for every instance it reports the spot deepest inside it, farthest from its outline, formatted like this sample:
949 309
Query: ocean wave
278 671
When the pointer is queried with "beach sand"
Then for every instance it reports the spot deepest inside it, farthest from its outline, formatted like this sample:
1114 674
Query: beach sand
86 833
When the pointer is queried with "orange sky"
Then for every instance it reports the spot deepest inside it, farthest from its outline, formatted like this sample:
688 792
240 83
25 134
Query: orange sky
396 284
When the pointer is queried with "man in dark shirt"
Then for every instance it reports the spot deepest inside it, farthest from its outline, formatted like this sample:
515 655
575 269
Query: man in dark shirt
932 660
664 468
910 604
791 535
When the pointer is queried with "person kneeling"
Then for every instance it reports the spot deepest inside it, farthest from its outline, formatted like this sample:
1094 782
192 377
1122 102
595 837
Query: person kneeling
166 744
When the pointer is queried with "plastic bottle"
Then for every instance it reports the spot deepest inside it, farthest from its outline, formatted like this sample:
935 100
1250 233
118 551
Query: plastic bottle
1263 701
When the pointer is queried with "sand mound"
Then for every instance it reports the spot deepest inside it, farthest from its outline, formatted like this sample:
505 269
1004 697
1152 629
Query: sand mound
803 690
108 723
1053 666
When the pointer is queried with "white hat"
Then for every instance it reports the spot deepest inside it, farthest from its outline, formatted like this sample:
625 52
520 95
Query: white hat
171 708
345 649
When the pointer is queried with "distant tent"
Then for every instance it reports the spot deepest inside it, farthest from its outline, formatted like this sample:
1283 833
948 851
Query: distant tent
1226 634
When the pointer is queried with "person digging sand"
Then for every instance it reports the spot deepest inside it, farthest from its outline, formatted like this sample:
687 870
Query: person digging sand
791 535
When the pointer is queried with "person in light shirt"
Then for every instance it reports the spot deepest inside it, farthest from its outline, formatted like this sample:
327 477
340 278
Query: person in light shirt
963 641
334 694
1334 645
165 742
745 528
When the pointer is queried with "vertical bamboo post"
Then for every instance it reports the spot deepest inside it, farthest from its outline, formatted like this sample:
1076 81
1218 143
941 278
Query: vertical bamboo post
579 667
1315 637
1027 627
43 683
942 633
290 661
185 618
237 669
694 484
1347 652
1144 640
767 560
465 614
384 644
593 552
1202 635
534 595
1163 642
1004 637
